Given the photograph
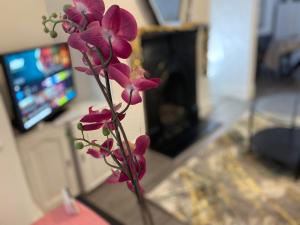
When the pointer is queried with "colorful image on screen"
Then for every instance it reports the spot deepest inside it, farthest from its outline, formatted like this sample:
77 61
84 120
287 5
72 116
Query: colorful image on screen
41 81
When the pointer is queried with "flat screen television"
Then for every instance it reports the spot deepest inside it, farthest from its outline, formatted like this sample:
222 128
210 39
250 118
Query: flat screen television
40 82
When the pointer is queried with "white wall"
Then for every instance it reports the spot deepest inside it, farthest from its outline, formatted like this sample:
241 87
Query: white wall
21 28
21 24
287 20
16 205
200 11
267 12
232 48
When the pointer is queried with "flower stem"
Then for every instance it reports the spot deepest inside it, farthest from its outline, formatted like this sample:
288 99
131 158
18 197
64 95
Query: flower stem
120 132
146 216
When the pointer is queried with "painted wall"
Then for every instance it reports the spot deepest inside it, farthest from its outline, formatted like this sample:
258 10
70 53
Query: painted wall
20 28
200 10
267 12
16 205
232 48
21 24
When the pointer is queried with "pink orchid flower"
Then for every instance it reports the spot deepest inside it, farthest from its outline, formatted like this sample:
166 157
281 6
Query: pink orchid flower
97 119
117 26
77 43
115 178
103 151
138 151
90 10
133 86
115 65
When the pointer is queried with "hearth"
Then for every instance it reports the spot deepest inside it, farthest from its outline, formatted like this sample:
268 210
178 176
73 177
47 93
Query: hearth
171 110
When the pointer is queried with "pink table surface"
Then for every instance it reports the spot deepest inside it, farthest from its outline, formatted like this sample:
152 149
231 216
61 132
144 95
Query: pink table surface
58 216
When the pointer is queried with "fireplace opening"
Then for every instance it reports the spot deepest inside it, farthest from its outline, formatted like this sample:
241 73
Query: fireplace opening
171 110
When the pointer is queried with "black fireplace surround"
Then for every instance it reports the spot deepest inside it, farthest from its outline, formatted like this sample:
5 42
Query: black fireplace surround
171 110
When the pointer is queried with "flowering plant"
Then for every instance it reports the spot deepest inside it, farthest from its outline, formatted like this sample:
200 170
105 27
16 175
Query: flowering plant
103 38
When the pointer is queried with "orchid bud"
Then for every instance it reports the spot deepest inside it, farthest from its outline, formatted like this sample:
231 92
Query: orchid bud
79 145
53 34
66 7
46 30
79 126
54 15
105 131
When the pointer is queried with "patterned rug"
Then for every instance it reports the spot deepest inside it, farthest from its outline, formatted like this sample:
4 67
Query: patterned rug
226 185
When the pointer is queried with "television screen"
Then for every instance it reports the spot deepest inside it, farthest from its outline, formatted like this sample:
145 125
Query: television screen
40 81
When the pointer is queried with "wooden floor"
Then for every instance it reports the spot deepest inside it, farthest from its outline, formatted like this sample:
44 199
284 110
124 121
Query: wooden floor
120 203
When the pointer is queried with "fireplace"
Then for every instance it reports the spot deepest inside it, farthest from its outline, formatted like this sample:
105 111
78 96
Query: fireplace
171 110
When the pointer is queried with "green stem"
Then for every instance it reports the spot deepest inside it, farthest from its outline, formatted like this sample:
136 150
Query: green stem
109 164
106 149
128 104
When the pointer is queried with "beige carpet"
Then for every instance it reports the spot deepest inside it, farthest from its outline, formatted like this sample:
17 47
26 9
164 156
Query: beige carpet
226 185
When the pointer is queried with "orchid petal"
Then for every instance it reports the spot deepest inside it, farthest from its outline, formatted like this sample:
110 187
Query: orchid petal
125 69
67 27
96 117
141 167
88 71
111 19
131 187
95 59
74 15
107 146
113 178
118 106
121 48
94 153
143 84
93 35
92 111
121 116
141 144
123 177
76 42
128 26
94 56
83 70
118 154
117 73
135 97
93 126
93 8
110 126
